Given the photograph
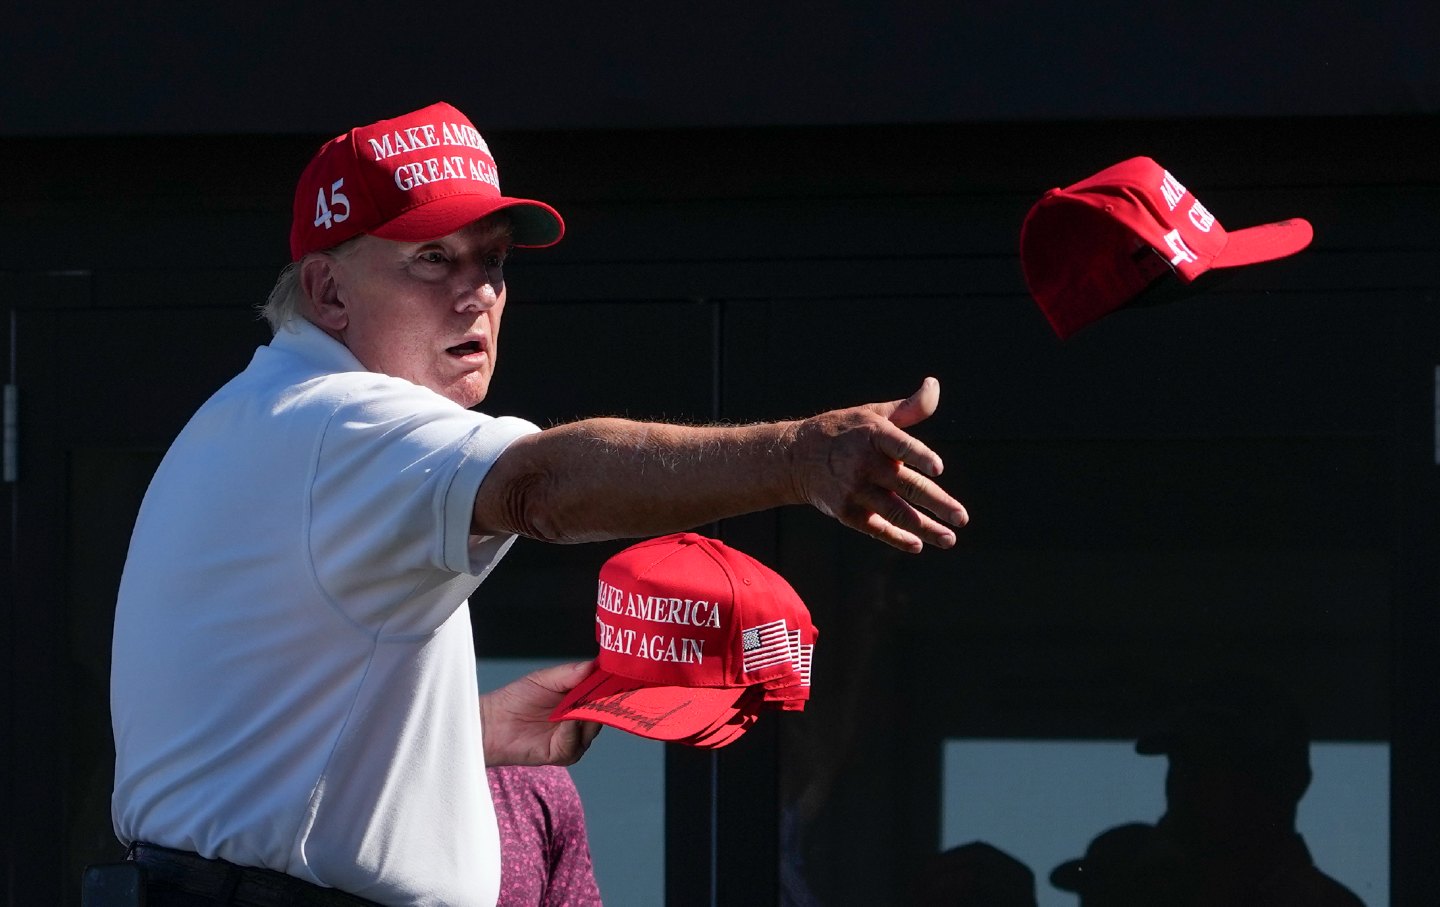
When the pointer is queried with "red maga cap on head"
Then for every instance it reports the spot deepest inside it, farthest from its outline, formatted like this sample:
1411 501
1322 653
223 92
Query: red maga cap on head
414 178
1092 247
691 633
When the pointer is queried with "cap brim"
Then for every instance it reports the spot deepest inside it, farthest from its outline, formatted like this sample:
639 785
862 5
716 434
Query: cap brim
535 224
1266 242
1067 876
731 729
725 734
668 713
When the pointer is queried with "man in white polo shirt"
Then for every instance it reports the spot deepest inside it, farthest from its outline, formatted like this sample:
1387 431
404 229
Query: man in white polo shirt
293 691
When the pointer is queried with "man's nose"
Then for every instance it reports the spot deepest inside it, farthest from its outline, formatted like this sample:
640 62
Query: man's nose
479 291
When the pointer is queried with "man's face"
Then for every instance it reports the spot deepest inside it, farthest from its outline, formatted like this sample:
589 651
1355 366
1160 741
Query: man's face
428 312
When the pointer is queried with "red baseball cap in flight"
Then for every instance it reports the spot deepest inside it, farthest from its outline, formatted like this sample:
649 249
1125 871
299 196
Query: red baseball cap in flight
413 178
696 638
1094 246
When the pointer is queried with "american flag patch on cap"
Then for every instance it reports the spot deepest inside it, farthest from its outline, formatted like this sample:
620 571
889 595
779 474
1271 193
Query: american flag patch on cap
765 645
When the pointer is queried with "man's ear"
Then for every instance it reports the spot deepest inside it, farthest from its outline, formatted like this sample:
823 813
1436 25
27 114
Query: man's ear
319 281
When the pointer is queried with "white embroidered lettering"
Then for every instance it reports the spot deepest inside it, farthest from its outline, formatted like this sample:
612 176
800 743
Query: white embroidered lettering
608 597
484 172
328 214
675 649
382 149
1172 190
1201 218
1177 245
614 639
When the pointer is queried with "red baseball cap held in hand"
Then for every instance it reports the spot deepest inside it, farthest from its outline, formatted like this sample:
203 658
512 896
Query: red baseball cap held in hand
1092 247
413 178
696 639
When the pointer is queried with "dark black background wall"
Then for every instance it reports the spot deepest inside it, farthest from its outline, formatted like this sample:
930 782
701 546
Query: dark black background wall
775 208
175 68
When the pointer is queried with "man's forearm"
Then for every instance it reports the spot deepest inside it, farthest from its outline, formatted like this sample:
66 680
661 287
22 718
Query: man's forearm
611 478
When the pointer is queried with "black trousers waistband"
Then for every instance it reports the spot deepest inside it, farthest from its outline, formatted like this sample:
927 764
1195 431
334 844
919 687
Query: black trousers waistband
241 886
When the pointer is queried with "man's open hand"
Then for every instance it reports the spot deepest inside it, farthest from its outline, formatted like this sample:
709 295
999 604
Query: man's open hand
861 467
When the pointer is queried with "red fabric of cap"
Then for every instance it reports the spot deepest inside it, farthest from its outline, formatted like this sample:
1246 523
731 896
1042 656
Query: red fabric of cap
794 688
412 178
690 631
660 713
1092 247
731 730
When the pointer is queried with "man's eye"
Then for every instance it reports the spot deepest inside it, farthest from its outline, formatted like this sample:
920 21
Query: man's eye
433 256
495 261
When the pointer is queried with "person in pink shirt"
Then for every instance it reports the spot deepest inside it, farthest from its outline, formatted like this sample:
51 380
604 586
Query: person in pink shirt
544 848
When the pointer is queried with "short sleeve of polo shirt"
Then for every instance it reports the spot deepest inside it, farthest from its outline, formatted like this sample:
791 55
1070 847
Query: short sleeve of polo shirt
392 496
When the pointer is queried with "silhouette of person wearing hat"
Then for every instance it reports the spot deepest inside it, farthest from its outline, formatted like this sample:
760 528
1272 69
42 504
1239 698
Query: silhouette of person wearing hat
1130 865
977 874
1239 763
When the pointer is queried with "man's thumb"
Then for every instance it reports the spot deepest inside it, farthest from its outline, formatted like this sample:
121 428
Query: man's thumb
919 406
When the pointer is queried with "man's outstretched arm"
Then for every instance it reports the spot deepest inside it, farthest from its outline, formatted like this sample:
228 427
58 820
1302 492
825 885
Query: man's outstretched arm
609 478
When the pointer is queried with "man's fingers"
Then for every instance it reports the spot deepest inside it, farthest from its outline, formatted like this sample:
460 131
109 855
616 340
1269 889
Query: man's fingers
561 678
889 518
914 488
910 478
878 527
571 740
906 449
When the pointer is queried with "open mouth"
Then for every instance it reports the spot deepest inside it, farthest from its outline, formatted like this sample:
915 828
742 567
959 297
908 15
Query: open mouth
464 349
